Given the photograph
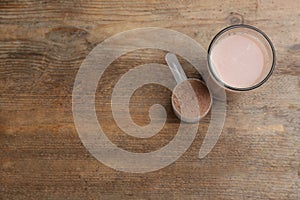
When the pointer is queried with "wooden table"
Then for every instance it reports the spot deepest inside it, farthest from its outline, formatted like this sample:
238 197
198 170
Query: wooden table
43 44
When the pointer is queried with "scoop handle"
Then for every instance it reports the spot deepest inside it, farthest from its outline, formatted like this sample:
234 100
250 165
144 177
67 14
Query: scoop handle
175 68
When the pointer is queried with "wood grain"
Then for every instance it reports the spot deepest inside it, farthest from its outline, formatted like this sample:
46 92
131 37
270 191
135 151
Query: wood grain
43 43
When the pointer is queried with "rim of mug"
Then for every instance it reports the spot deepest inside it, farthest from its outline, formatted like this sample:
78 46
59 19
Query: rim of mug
218 35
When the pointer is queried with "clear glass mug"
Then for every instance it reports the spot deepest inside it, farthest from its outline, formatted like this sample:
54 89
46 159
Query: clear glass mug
241 58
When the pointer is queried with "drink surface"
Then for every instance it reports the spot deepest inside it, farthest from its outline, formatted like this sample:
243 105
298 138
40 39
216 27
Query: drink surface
238 60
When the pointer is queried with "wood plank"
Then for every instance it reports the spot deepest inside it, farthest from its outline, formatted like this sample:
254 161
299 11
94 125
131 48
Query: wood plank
42 45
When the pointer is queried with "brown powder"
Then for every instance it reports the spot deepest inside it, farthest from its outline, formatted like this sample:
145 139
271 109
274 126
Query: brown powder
184 97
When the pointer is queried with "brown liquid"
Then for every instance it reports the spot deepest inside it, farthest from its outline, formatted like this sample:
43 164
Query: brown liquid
183 96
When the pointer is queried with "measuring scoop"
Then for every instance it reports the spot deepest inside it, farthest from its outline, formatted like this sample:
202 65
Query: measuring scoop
191 99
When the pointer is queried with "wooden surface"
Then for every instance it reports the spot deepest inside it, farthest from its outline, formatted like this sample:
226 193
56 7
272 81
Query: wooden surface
42 44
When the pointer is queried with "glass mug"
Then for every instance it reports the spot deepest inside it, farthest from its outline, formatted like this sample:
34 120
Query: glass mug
241 58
